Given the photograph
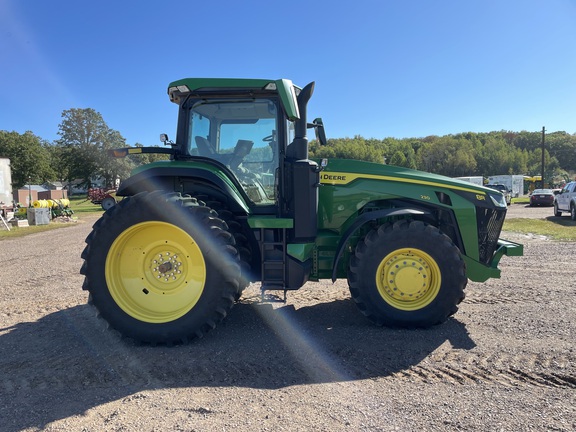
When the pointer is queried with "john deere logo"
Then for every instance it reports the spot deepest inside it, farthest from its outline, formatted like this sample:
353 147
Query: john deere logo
330 177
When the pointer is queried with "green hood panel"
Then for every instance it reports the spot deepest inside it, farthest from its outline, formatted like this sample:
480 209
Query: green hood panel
342 171
350 187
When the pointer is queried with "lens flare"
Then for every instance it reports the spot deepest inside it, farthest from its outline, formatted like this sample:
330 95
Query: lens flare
318 364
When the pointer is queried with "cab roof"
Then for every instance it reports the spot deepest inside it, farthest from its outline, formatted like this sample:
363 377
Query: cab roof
288 92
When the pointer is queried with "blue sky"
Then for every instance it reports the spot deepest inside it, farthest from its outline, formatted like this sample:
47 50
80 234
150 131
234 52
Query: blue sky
383 68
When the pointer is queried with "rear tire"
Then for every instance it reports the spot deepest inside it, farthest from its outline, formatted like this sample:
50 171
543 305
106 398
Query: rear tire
573 212
408 274
242 243
161 268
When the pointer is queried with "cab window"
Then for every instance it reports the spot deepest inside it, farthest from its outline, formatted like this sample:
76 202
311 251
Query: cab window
243 135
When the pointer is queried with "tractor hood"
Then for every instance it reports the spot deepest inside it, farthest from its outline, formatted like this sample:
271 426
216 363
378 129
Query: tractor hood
345 171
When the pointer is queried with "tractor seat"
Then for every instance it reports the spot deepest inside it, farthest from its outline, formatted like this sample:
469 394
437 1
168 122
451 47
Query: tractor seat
204 147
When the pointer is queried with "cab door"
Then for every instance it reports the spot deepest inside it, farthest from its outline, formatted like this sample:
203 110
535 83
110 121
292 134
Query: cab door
563 199
570 196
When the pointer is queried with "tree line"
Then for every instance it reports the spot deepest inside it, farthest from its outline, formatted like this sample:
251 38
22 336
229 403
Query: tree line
81 153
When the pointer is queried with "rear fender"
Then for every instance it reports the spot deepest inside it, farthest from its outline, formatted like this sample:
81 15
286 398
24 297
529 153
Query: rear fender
364 219
174 179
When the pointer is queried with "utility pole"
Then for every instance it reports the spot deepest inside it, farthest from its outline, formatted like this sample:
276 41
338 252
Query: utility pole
29 191
543 138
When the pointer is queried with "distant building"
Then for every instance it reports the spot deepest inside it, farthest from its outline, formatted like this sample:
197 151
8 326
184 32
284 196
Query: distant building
26 195
54 185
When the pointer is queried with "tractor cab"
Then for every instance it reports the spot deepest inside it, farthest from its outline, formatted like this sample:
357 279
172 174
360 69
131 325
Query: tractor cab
242 135
255 131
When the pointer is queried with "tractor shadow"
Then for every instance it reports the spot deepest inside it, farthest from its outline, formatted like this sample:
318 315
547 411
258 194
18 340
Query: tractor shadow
69 362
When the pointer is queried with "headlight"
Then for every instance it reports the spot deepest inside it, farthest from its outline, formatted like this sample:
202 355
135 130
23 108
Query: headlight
498 200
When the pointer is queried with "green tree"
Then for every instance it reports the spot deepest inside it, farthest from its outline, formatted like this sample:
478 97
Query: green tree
58 162
111 168
551 165
29 158
398 159
448 155
84 140
403 154
562 146
496 156
527 140
464 154
520 161
348 148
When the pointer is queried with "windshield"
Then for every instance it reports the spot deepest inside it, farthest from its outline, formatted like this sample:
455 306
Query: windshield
241 134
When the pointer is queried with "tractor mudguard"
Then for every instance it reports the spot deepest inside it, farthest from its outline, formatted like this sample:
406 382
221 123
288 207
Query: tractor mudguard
166 177
363 219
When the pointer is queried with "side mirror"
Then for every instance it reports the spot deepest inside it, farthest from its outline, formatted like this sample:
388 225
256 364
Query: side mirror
318 126
164 139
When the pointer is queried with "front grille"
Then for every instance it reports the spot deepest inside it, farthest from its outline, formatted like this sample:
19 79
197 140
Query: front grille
490 223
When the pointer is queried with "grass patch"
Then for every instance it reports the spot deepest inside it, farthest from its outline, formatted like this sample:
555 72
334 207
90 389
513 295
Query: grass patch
23 231
556 228
521 200
83 206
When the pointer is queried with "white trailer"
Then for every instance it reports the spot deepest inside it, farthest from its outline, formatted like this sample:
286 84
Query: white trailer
5 193
477 180
5 183
513 182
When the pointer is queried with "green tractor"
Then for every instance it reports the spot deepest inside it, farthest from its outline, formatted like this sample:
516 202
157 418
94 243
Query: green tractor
239 201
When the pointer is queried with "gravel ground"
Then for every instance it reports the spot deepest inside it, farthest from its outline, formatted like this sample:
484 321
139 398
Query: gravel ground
505 362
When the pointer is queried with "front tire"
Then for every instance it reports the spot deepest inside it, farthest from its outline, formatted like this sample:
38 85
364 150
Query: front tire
161 268
557 212
408 274
573 212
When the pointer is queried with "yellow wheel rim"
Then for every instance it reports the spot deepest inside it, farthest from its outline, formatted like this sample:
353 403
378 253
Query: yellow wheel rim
155 272
408 279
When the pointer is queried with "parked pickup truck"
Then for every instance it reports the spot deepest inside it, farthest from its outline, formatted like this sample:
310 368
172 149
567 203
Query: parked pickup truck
565 201
505 191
